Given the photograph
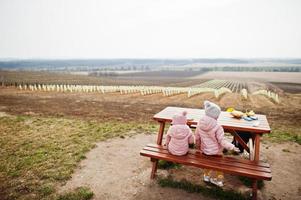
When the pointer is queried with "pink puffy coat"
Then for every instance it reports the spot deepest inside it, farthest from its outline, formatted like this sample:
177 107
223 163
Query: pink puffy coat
179 136
210 136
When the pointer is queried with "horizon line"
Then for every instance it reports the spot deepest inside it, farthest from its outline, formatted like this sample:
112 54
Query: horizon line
144 58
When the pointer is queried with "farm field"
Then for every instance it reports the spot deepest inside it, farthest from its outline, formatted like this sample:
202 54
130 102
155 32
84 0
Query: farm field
46 130
281 77
69 78
288 80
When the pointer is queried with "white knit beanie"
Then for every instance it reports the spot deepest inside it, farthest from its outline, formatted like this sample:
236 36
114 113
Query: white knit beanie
211 109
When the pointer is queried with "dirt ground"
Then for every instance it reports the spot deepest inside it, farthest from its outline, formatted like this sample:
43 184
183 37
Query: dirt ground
115 170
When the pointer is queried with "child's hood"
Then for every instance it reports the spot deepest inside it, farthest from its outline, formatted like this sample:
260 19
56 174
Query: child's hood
179 131
207 123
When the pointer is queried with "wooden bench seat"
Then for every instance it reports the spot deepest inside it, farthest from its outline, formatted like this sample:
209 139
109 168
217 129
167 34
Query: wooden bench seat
231 165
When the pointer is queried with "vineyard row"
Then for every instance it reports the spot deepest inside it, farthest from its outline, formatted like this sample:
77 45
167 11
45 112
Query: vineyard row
146 90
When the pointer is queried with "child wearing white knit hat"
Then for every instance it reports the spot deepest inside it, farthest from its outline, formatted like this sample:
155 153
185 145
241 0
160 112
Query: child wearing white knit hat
209 136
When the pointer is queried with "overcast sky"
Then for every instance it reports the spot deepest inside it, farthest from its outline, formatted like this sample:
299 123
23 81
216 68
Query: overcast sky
150 28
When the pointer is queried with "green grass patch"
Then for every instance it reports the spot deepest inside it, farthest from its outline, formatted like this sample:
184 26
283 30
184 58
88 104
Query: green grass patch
81 193
39 152
213 192
284 135
163 164
46 190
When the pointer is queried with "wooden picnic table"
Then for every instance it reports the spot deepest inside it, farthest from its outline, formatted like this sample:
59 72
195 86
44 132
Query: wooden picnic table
226 120
253 168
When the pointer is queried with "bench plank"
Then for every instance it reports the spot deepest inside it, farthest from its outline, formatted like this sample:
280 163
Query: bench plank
231 166
215 160
231 159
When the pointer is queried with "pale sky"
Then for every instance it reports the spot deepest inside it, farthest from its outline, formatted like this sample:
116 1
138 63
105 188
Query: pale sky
150 28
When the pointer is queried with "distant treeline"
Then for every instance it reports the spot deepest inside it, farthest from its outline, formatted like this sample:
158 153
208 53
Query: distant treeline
91 63
188 71
106 74
95 66
251 69
45 63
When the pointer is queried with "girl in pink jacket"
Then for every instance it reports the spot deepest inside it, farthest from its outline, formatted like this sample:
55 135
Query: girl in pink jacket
209 136
179 135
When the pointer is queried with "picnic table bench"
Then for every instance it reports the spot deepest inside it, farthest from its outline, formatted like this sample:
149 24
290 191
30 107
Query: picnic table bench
252 168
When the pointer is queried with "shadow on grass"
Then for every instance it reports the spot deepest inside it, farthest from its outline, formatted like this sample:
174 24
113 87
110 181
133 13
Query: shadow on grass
162 164
214 192
248 182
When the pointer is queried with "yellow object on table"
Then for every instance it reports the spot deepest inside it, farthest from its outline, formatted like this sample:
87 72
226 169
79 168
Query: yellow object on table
230 109
250 113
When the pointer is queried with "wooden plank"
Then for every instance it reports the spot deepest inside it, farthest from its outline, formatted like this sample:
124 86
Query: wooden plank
244 123
154 168
160 133
214 160
159 142
256 148
254 190
218 159
225 119
200 164
231 159
204 164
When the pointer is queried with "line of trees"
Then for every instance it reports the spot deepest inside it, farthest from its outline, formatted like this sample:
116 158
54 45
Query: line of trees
250 69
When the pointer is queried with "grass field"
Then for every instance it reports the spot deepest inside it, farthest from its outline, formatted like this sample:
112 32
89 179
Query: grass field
37 153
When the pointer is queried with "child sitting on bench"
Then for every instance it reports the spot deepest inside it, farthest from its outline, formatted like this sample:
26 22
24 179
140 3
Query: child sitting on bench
209 136
179 135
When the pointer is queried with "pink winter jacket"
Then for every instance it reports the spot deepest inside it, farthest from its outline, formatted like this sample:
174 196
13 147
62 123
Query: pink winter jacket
210 137
178 139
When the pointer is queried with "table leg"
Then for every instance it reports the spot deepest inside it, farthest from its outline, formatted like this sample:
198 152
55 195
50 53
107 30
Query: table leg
254 190
256 147
256 159
154 168
160 133
159 141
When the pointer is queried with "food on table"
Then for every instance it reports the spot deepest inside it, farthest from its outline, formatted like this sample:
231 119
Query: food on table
237 114
250 113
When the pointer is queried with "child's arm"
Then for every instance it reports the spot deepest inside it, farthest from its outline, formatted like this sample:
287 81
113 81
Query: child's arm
167 140
168 137
221 140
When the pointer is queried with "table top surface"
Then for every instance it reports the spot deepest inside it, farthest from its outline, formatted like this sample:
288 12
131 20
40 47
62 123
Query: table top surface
226 120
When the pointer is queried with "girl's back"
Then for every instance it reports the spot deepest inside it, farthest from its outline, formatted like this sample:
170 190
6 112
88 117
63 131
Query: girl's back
179 135
209 134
